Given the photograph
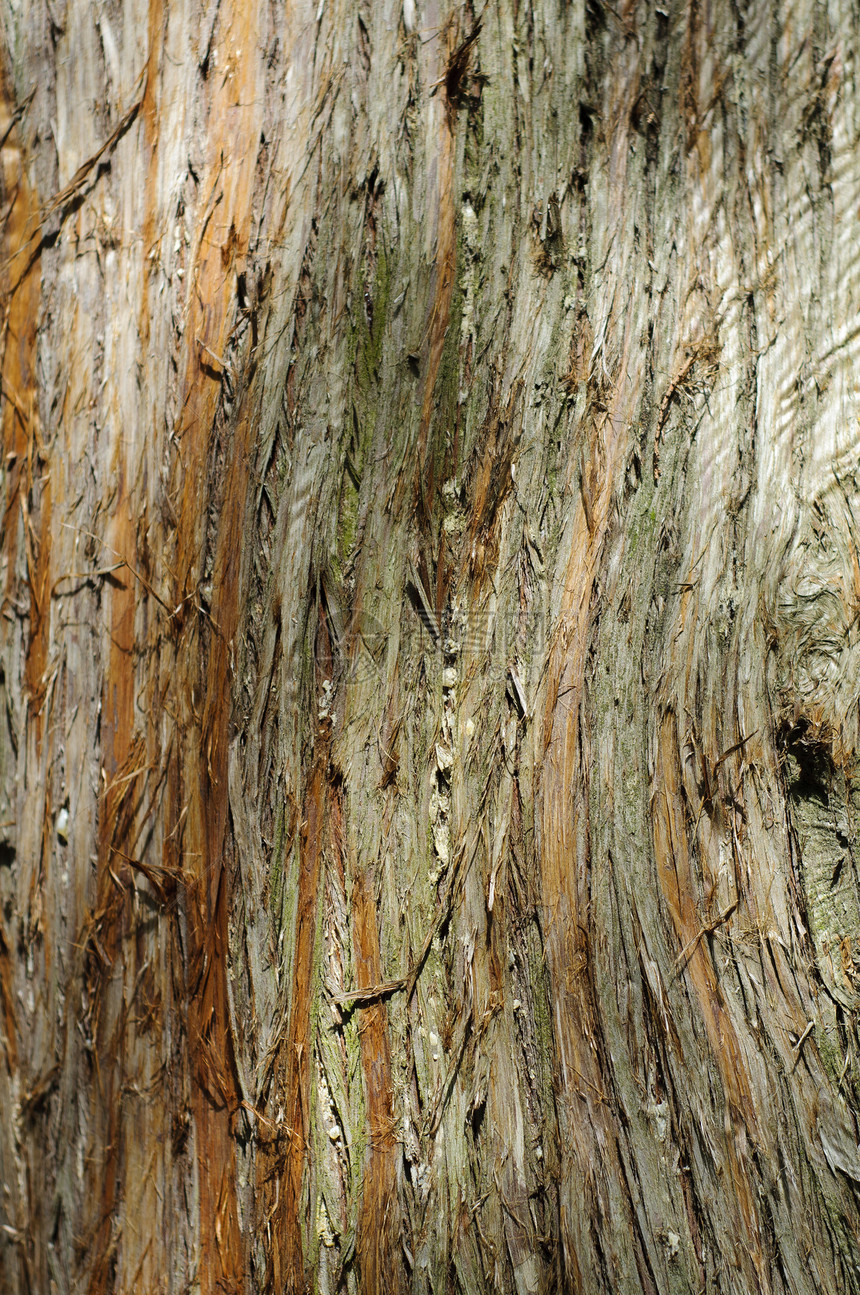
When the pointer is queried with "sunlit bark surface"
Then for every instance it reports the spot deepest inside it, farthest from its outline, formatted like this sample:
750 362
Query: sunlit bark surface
429 647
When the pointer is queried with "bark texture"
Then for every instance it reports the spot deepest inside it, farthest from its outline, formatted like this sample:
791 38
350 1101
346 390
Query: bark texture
429 647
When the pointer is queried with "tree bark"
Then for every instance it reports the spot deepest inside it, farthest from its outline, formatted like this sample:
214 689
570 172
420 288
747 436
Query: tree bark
429 649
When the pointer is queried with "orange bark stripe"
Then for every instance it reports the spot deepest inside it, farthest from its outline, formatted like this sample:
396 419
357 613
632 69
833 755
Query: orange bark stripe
287 1249
28 493
204 670
377 1243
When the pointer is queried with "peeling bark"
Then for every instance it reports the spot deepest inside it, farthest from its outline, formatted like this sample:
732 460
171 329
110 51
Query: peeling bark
428 651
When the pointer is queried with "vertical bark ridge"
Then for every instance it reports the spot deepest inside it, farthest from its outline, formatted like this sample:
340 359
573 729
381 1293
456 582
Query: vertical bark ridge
288 1251
378 1237
27 576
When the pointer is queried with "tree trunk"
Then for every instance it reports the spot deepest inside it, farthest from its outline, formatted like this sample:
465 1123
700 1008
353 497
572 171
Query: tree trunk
429 647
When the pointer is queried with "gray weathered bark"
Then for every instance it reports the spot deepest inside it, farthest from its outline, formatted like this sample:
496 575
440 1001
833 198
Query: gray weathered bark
429 647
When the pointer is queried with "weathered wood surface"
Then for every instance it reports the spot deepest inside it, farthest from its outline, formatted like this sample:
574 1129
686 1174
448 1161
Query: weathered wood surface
428 765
